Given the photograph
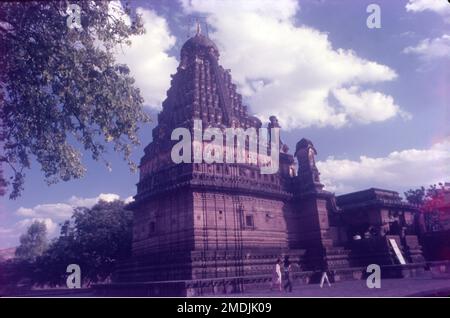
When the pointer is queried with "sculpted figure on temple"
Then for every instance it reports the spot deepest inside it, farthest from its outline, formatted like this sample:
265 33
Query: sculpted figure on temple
305 153
311 153
273 123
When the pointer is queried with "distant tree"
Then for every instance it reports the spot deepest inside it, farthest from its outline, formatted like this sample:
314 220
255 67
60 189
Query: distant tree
95 239
3 183
428 200
416 196
50 268
33 243
61 89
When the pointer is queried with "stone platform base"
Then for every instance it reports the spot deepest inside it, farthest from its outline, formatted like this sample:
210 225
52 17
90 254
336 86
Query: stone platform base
233 286
199 265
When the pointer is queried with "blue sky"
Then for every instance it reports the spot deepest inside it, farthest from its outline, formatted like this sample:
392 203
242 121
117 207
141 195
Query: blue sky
375 102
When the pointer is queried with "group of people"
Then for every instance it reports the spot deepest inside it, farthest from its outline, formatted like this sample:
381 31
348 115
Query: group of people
282 275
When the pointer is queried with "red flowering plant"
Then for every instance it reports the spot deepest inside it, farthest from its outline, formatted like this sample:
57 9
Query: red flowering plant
433 204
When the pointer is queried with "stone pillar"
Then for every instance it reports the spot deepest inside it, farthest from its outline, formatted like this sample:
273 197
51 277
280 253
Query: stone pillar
312 206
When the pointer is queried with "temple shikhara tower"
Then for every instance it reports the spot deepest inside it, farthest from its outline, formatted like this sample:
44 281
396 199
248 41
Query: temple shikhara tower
202 227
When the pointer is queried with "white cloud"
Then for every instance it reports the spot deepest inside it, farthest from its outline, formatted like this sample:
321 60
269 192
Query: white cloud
429 49
399 170
287 70
63 210
438 6
89 202
55 210
129 200
367 106
148 57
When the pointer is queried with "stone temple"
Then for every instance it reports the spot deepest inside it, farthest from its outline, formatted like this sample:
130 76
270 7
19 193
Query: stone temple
208 228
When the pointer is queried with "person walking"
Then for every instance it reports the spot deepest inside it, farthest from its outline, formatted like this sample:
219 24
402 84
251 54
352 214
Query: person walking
276 276
287 274
325 278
